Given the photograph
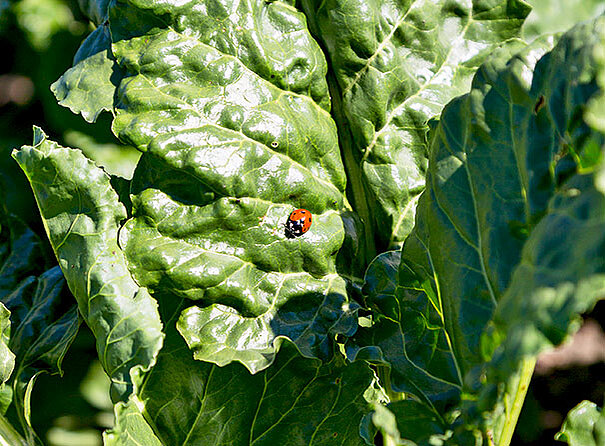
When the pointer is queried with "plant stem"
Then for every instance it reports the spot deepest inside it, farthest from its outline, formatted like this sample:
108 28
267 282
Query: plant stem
384 377
389 441
525 374
8 435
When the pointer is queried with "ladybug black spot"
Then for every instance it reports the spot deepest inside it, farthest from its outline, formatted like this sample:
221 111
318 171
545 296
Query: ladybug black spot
294 228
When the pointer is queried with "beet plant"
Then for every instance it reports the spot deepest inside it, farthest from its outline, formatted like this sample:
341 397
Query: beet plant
456 180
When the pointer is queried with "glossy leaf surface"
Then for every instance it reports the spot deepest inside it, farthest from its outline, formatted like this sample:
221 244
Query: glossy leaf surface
82 215
583 426
228 103
395 65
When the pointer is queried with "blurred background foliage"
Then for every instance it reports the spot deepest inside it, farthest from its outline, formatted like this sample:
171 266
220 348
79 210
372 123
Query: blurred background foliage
39 39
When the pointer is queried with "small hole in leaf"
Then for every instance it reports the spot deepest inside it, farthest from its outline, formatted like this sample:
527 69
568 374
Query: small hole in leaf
337 381
335 434
539 105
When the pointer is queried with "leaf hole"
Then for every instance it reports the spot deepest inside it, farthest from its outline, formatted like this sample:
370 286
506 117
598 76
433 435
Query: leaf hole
540 104
337 381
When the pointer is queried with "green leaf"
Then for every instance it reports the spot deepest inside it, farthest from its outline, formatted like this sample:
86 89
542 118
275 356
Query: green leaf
409 422
43 323
96 10
510 227
130 429
295 401
41 336
395 65
269 38
583 426
405 323
8 434
89 86
466 242
381 419
21 253
7 358
229 105
561 272
82 213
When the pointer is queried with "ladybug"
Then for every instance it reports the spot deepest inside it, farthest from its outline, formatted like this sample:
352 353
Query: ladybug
298 223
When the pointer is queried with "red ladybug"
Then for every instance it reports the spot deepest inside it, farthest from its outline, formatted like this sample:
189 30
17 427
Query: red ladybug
298 223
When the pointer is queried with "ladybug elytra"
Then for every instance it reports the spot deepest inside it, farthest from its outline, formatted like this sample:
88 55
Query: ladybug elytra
298 223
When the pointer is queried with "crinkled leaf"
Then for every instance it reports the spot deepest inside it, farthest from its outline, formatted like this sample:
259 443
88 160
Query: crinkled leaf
583 426
82 213
395 65
271 39
296 401
228 102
